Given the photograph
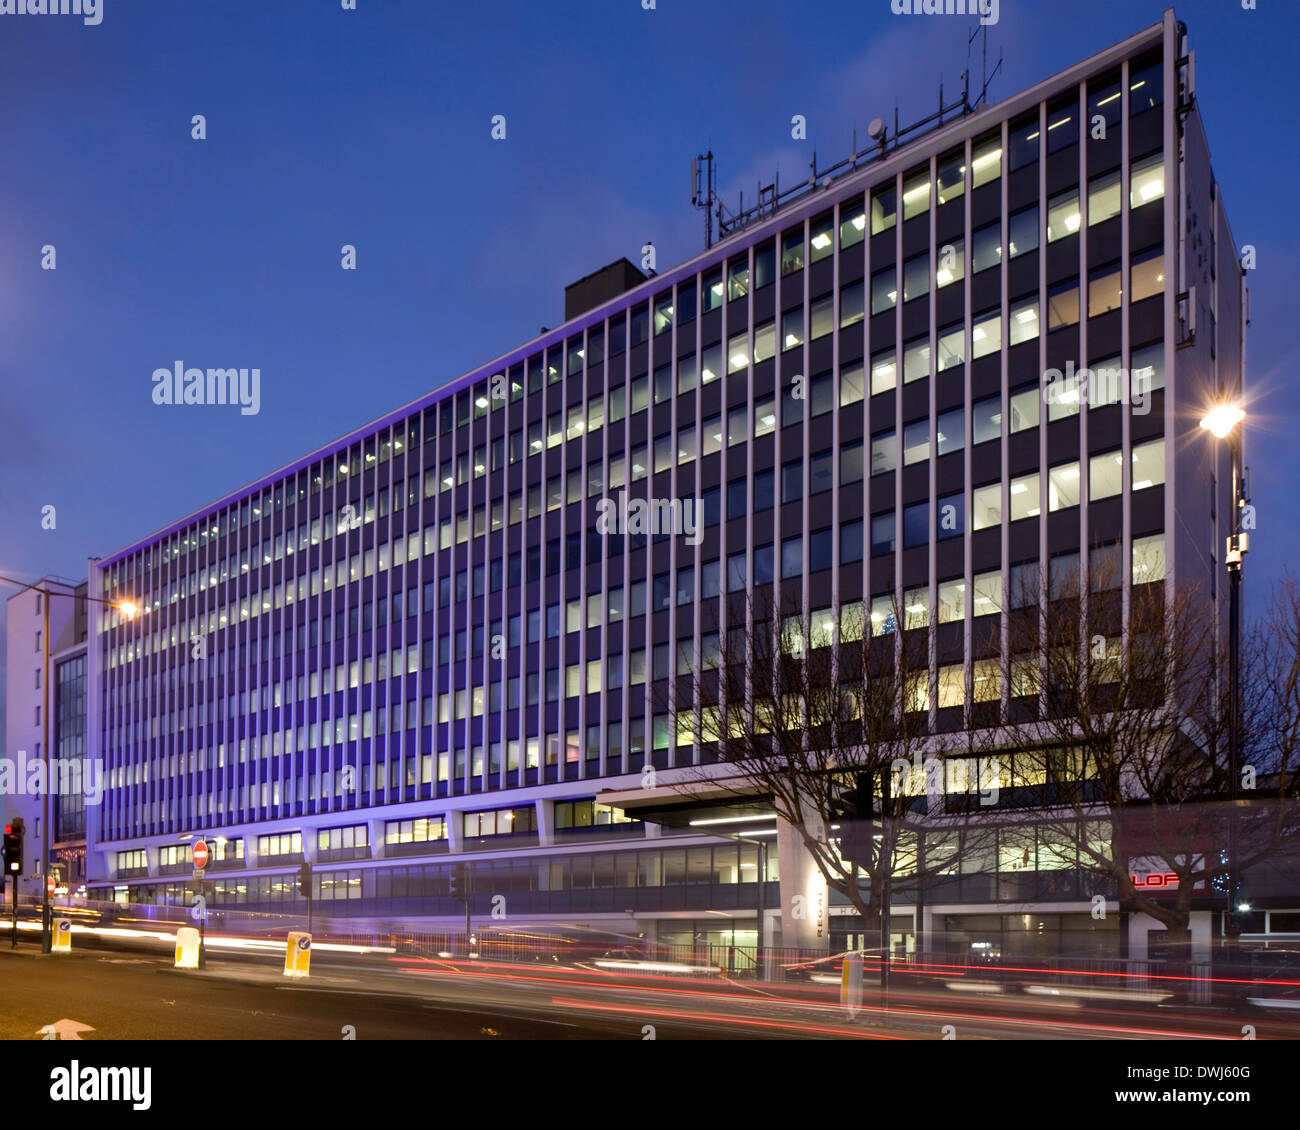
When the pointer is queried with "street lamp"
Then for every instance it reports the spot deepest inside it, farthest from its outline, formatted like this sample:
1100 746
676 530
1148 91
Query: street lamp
1224 421
128 609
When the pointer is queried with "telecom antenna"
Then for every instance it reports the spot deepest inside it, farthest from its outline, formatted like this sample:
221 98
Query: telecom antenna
704 191
771 197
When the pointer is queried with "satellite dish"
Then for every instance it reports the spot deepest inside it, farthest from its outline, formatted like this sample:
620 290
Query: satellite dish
876 129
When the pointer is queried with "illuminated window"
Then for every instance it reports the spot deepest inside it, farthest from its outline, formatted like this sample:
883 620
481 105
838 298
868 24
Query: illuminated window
1063 215
1105 475
950 263
986 678
916 608
986 335
986 506
987 598
951 176
1024 497
853 223
986 159
1147 275
916 193
1104 290
884 209
952 601
952 686
1149 464
821 237
884 372
1063 486
1146 181
1024 321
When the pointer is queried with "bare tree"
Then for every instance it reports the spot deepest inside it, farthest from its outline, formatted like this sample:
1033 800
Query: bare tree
830 720
1118 712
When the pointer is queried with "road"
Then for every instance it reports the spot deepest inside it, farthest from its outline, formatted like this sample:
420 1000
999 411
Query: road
134 997
135 994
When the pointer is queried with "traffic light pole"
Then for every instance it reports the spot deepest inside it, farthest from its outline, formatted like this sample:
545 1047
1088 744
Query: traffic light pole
13 865
305 887
465 873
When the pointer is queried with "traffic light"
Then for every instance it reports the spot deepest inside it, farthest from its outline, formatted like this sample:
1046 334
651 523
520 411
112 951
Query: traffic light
459 885
13 849
304 879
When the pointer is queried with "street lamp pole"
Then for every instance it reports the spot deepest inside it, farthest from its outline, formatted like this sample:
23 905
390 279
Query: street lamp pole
1235 551
1226 422
47 838
47 699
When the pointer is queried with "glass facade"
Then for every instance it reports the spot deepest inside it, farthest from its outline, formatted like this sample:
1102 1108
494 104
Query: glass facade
70 745
497 589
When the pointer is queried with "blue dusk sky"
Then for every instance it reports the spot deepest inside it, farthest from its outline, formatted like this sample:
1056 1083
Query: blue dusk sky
371 127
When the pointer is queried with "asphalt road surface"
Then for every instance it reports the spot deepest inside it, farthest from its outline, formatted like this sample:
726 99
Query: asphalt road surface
138 994
134 997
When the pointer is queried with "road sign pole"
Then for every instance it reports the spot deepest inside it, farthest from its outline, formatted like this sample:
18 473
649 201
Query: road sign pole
200 862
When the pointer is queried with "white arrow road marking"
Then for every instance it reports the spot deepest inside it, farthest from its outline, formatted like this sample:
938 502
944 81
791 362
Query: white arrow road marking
64 1029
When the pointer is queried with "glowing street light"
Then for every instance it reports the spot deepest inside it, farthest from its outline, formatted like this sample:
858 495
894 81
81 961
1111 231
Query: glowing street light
1222 419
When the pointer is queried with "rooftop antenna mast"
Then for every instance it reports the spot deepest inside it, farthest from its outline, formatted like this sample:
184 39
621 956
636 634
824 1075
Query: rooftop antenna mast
983 32
704 191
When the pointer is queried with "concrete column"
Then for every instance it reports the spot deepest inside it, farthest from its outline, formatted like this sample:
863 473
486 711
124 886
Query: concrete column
804 896
545 822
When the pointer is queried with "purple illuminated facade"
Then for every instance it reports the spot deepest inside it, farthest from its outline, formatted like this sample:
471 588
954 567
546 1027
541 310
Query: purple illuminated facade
413 647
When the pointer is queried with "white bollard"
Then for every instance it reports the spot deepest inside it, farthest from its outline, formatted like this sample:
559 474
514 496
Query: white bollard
187 948
851 984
